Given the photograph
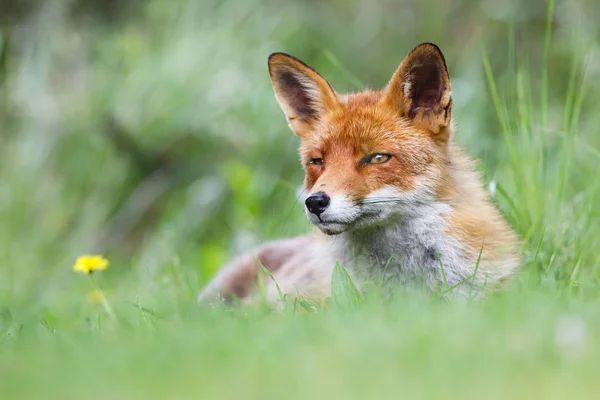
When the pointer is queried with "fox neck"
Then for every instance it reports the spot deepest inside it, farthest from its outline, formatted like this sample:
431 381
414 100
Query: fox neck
414 250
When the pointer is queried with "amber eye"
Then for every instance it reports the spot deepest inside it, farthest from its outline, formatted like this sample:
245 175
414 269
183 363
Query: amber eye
316 161
377 158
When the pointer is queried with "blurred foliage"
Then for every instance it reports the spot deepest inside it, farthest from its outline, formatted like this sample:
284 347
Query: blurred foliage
147 130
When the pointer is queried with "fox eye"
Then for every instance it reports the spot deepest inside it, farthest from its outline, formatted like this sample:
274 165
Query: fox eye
316 161
377 158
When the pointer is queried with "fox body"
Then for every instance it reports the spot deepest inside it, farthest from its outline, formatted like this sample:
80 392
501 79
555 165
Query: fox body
394 199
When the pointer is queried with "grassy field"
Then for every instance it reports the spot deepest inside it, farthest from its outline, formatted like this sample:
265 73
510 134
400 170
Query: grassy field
150 134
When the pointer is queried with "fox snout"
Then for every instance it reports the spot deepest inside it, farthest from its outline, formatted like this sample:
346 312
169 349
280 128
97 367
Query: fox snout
334 213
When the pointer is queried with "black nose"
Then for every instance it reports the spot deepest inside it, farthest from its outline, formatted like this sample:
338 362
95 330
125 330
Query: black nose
317 203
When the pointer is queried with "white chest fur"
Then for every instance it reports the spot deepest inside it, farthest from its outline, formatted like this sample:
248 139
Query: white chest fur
410 252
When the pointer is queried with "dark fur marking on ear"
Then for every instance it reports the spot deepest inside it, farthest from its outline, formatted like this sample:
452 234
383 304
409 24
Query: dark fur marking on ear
426 86
447 109
295 94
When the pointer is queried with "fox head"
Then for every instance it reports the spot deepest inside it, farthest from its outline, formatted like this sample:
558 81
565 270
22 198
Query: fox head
373 157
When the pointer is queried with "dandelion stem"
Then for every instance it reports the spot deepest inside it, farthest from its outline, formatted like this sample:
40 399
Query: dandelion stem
105 304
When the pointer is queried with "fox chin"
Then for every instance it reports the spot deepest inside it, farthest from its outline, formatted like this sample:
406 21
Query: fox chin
392 198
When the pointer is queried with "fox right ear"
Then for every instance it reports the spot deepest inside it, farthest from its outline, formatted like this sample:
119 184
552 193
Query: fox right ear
420 90
304 95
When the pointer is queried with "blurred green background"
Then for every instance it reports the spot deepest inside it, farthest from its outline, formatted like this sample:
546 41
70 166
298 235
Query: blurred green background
147 131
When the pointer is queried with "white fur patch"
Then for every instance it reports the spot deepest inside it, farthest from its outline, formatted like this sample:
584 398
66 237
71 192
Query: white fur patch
386 205
309 86
399 237
391 200
338 217
414 250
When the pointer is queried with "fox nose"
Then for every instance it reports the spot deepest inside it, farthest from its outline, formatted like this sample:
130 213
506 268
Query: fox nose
317 203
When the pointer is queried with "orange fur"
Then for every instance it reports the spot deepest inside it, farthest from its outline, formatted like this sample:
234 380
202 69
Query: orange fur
394 186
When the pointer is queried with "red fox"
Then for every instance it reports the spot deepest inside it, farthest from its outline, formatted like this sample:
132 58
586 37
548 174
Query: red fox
394 199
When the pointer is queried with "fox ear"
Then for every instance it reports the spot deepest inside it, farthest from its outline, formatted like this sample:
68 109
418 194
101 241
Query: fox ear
420 90
304 95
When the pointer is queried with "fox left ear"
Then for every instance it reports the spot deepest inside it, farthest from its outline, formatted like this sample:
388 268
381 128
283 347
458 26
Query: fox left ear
304 95
420 90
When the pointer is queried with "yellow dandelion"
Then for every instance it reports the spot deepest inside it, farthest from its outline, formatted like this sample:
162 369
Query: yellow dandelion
88 264
96 296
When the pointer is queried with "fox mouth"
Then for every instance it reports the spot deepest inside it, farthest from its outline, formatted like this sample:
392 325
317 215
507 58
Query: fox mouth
336 226
333 222
332 227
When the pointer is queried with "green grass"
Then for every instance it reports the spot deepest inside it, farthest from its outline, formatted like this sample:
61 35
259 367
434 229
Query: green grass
518 346
153 137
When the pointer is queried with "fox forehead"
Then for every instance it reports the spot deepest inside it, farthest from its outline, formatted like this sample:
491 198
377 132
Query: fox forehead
361 125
